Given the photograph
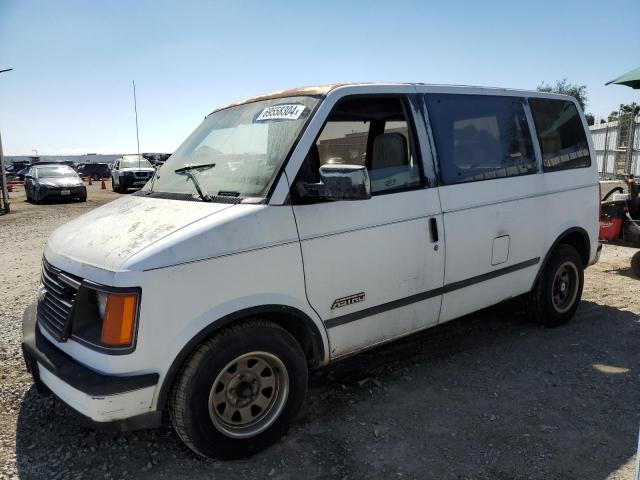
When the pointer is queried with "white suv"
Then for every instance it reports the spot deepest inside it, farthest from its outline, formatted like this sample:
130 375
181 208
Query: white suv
130 171
296 228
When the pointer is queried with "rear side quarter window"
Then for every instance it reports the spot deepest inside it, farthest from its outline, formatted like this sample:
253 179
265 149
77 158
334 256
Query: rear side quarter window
561 135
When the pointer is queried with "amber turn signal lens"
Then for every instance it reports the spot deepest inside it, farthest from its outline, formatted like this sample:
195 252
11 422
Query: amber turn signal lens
119 320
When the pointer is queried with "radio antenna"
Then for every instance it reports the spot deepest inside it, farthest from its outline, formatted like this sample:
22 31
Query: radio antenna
135 107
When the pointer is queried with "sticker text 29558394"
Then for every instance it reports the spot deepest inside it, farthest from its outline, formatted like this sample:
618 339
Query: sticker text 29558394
281 112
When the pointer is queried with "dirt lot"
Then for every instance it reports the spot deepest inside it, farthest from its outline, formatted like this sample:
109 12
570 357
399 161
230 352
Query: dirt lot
489 396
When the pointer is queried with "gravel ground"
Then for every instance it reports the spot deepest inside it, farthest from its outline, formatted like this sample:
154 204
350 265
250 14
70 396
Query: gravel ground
489 396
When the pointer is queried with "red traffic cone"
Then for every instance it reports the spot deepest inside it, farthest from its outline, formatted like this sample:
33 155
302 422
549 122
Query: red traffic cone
90 181
103 186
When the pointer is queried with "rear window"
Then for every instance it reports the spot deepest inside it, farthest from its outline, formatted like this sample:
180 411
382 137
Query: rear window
561 135
480 137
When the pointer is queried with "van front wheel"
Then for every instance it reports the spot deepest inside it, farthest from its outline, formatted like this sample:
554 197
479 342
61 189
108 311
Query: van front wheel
556 295
239 391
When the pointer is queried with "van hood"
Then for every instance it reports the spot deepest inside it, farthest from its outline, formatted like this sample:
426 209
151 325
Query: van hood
109 235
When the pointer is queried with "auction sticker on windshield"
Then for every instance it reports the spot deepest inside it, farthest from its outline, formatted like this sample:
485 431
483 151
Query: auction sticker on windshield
281 112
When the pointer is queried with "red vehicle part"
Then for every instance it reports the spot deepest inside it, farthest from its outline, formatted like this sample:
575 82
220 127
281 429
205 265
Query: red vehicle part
613 215
610 228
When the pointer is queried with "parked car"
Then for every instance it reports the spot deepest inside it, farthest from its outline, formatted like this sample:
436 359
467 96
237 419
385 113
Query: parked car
130 171
190 296
18 165
47 181
156 159
20 174
96 171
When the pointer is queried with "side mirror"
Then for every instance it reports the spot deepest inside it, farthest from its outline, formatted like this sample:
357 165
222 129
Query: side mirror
341 182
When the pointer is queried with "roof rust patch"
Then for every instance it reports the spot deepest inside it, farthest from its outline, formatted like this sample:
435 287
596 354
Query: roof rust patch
321 90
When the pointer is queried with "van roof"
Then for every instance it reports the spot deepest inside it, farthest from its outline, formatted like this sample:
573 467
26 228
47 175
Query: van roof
323 90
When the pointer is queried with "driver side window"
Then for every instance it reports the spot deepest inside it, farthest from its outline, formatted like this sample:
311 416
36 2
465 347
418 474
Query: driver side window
367 131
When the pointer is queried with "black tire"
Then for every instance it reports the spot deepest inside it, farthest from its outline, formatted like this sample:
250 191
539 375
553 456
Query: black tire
189 402
546 304
113 186
83 199
635 263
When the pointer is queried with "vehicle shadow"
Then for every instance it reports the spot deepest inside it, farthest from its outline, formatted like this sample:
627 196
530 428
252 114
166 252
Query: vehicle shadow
624 271
487 396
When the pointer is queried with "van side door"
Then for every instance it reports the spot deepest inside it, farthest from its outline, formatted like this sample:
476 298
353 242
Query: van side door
492 195
373 268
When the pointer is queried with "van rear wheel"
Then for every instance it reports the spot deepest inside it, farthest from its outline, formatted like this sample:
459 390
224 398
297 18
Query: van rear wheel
635 263
556 295
239 391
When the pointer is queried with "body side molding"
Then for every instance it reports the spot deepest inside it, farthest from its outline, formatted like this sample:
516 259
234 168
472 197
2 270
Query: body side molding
352 317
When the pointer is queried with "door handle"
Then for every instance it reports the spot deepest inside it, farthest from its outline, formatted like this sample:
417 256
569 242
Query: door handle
433 227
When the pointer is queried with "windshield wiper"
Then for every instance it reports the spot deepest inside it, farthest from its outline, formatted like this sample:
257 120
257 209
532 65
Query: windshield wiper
186 170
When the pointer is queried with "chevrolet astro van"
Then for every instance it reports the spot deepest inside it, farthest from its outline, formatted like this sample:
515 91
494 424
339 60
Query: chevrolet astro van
296 228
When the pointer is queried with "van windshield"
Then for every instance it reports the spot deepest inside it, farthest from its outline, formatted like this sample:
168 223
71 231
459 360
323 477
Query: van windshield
242 147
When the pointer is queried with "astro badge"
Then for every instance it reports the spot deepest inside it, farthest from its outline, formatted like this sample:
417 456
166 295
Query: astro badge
281 112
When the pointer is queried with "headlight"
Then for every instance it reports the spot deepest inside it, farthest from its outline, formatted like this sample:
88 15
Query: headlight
106 318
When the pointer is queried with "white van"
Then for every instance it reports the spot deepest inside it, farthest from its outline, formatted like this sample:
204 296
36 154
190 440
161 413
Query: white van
293 229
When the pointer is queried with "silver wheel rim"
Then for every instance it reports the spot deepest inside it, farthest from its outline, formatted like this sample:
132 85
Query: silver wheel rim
565 287
248 394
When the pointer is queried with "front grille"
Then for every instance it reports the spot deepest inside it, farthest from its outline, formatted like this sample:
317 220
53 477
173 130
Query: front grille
56 299
142 175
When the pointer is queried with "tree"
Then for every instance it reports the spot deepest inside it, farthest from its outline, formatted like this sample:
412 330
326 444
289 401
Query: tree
590 119
579 92
624 109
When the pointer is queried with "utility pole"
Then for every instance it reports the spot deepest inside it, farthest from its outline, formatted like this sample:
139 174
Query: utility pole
3 175
3 178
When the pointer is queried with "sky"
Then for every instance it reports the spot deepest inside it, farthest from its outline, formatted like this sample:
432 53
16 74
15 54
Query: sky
70 91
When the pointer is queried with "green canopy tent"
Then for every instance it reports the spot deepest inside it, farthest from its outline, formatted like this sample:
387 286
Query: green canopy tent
630 79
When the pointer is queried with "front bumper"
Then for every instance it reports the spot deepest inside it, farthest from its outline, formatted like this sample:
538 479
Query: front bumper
107 401
133 182
74 192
